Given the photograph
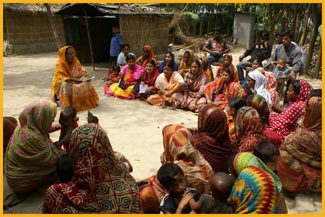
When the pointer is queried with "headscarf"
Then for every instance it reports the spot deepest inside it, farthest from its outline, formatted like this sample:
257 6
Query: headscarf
101 183
64 71
305 89
313 113
31 156
248 128
143 62
178 148
186 65
212 138
259 103
257 188
229 56
260 81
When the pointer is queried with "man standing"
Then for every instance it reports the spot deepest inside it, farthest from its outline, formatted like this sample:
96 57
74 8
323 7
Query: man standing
216 47
260 51
116 42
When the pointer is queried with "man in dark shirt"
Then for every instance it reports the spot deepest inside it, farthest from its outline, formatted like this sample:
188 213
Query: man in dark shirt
260 51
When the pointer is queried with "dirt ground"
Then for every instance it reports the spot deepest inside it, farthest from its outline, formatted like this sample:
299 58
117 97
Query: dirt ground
133 127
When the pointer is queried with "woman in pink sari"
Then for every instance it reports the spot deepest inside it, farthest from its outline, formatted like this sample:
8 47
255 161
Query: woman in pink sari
131 75
195 81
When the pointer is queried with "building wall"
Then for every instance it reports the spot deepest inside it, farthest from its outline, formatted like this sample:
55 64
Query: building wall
139 30
29 32
244 29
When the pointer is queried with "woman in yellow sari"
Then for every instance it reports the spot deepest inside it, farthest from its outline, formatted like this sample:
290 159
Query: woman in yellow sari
71 84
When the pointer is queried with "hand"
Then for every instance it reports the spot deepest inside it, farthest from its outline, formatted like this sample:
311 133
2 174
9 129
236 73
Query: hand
188 195
241 58
168 94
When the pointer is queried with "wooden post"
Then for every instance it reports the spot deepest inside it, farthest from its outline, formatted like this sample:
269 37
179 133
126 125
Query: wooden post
89 40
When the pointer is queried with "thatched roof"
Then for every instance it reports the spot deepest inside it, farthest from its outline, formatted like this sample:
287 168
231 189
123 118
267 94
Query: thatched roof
31 8
110 9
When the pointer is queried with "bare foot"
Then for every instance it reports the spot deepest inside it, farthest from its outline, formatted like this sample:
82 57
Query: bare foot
163 106
173 106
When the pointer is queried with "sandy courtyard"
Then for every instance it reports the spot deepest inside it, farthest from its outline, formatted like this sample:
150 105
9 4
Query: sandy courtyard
133 127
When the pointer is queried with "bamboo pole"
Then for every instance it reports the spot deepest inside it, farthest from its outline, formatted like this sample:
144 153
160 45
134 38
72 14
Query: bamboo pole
89 40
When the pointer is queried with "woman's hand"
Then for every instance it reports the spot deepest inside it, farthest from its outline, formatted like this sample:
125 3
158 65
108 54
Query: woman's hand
188 195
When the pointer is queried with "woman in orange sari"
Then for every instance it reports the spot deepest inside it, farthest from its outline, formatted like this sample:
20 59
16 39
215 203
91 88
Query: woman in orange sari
71 84
147 55
222 89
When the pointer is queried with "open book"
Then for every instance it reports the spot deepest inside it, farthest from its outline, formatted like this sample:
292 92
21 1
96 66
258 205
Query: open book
84 78
161 88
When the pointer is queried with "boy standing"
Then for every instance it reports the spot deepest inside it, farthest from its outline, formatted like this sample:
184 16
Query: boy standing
116 42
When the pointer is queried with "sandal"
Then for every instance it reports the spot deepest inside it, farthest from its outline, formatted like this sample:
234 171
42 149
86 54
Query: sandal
13 199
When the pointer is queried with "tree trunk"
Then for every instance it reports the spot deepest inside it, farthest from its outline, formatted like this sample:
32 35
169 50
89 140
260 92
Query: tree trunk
316 12
53 26
294 22
272 23
304 33
201 25
318 63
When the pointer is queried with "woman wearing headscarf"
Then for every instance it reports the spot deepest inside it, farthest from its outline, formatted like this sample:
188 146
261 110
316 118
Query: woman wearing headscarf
31 156
101 183
300 164
147 55
169 57
70 84
256 81
131 75
227 62
195 81
248 129
257 189
222 89
280 125
179 149
211 137
185 64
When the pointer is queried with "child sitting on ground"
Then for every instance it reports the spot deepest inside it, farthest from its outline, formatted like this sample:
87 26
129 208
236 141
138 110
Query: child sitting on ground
114 76
220 186
268 153
176 201
68 121
281 74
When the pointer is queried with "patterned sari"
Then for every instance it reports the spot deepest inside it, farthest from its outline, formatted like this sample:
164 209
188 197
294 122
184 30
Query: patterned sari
248 129
212 138
101 183
134 75
82 96
31 156
195 86
300 165
178 149
257 189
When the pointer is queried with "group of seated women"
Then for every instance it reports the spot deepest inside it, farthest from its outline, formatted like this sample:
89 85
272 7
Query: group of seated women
286 154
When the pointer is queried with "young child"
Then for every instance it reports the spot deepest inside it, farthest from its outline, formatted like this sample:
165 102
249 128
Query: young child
220 186
268 153
68 121
64 168
113 76
176 201
281 74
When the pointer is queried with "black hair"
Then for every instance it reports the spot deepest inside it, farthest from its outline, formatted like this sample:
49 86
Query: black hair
259 62
172 54
296 86
169 64
68 111
167 172
197 62
236 102
265 151
278 33
124 45
315 92
265 35
64 168
116 68
129 57
288 33
152 62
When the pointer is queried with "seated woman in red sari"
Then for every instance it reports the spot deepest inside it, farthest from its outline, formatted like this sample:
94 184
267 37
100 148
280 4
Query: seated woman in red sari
211 137
171 88
195 81
222 89
179 149
147 55
300 164
248 129
131 75
284 122
71 84
150 75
